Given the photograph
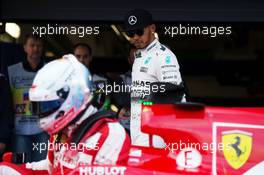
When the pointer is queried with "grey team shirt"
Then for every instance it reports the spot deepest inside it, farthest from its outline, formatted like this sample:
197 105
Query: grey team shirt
156 63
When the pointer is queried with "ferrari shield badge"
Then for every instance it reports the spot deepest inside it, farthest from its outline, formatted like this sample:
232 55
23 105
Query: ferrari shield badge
238 147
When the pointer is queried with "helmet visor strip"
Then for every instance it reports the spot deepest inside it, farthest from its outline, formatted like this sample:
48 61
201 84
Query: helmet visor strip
45 108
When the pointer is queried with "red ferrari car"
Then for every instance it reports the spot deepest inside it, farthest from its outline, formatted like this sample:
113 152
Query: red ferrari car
199 140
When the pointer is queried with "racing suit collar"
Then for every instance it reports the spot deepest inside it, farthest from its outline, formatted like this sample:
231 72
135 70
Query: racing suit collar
151 45
88 112
138 53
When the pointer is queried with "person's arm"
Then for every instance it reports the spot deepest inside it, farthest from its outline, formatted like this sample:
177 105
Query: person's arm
107 146
114 149
6 113
168 70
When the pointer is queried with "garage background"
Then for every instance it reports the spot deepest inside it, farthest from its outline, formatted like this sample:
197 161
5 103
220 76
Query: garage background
225 70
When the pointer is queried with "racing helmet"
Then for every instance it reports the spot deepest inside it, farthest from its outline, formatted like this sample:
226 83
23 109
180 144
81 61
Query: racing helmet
61 90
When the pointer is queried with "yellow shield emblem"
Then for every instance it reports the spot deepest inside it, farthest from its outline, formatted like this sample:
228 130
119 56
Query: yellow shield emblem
237 147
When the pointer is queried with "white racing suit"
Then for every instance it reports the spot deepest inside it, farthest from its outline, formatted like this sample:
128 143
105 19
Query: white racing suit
155 63
104 143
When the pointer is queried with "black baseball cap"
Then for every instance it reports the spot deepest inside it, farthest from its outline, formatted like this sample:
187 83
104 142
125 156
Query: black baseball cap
137 19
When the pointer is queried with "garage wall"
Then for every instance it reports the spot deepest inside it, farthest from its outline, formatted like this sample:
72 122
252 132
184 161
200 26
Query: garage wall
165 10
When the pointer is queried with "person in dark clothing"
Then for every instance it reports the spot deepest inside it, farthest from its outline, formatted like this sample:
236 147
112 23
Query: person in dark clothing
6 115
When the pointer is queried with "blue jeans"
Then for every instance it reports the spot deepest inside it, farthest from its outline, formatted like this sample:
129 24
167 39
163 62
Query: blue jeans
30 145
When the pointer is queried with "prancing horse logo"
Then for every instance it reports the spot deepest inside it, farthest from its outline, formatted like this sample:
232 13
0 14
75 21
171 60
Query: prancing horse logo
238 147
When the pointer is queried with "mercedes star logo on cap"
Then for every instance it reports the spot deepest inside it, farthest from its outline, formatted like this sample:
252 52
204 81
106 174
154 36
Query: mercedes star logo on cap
132 20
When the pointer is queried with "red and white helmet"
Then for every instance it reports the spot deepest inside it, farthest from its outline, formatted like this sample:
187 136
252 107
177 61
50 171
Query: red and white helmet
60 91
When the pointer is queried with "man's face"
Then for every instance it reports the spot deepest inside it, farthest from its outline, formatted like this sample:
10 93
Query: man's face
83 55
141 42
33 48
